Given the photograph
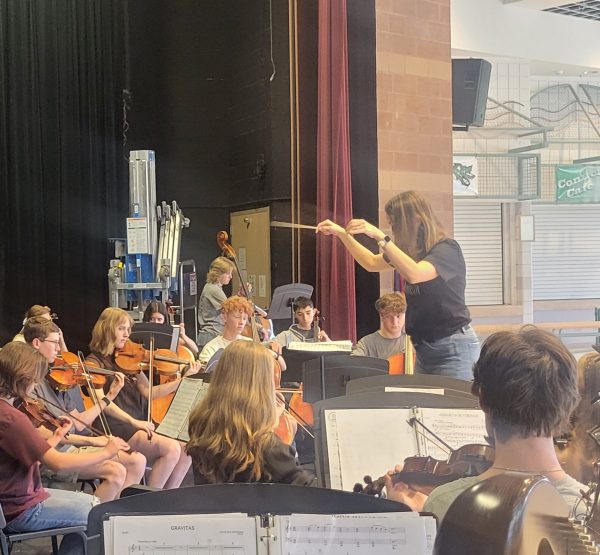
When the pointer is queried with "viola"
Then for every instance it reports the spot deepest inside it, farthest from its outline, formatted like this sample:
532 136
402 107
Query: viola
66 372
426 473
134 357
37 413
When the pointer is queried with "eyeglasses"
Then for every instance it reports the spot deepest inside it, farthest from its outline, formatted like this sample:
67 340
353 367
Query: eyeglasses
55 341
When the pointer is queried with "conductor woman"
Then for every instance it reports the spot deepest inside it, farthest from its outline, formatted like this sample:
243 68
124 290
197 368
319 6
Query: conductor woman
437 319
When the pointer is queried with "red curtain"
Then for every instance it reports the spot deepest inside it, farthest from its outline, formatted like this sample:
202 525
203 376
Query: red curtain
335 267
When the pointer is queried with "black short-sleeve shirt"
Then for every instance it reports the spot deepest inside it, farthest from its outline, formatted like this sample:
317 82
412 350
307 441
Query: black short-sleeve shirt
436 308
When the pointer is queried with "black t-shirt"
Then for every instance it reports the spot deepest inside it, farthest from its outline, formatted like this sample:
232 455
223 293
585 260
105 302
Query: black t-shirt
281 464
129 399
436 308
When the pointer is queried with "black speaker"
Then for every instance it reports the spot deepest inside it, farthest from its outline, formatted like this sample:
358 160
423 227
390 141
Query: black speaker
470 85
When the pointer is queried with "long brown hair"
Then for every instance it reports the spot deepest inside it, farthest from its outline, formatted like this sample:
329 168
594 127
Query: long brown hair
217 268
403 211
232 428
20 366
103 334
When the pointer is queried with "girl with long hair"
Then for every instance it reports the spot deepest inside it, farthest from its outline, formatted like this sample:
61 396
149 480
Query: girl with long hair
231 430
126 415
433 267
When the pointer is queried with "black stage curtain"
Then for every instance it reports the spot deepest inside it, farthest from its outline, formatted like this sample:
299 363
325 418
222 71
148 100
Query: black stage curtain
63 179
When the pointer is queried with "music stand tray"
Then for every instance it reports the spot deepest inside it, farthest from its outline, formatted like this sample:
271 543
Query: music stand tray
165 336
326 377
281 306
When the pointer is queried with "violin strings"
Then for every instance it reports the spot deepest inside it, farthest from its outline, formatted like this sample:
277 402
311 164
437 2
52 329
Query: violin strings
438 445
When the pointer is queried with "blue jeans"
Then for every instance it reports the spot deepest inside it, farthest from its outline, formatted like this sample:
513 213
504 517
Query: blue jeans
62 508
452 356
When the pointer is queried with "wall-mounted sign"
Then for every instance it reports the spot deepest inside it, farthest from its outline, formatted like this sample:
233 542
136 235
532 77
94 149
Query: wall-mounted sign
464 176
577 184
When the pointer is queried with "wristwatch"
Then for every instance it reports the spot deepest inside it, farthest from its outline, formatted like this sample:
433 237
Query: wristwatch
384 241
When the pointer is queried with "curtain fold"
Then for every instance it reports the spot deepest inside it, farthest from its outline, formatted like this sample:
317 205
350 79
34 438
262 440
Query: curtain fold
335 267
63 186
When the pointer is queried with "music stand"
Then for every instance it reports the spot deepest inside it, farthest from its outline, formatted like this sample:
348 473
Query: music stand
165 335
326 377
282 302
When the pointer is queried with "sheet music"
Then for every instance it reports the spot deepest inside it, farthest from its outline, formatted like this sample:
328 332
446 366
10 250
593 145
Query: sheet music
176 421
352 534
213 534
366 442
321 346
457 427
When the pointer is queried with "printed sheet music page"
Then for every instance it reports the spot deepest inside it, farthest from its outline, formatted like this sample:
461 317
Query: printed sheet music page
214 534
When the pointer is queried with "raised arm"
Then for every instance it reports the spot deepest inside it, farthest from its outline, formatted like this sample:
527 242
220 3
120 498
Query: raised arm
369 261
412 271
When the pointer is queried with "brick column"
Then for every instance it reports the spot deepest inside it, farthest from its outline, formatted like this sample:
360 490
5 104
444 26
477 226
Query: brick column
414 106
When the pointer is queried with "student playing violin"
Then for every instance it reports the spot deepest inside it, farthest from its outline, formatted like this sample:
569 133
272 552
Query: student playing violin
116 474
231 430
26 504
127 415
303 330
156 312
526 383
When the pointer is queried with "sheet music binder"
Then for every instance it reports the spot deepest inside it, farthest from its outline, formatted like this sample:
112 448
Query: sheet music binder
176 420
401 533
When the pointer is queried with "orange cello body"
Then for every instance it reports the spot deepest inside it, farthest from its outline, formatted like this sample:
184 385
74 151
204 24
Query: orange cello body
403 363
287 426
300 409
160 405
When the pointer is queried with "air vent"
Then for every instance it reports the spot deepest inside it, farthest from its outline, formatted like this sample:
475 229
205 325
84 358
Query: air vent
588 9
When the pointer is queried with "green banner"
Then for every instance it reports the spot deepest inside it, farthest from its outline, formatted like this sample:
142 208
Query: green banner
577 184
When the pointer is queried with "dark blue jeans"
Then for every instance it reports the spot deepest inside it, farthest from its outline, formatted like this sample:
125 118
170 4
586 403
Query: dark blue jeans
452 356
62 508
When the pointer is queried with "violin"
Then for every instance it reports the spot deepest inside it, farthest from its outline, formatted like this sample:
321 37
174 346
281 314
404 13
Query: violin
426 473
134 357
66 372
37 413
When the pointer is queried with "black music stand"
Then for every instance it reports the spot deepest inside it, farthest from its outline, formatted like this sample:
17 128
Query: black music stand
295 360
374 400
327 376
282 302
165 335
451 386
254 499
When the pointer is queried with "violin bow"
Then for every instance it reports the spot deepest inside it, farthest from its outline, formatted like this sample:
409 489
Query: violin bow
94 396
150 380
94 431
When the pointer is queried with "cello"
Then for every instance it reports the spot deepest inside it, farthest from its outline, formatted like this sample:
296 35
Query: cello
258 321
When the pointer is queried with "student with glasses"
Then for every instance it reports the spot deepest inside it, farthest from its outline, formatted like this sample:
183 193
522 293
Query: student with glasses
115 474
39 311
